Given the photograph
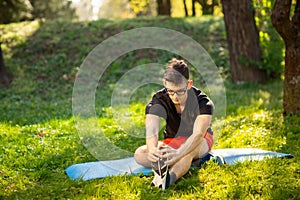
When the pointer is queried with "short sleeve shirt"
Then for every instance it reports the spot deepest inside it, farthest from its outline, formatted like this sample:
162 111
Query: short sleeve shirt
180 124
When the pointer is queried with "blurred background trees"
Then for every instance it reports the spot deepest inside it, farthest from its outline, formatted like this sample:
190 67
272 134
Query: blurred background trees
20 10
14 11
253 42
243 42
260 59
51 9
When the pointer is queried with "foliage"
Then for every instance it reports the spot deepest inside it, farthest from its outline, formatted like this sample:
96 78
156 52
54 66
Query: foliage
39 139
270 41
141 8
121 9
17 10
130 8
14 10
52 9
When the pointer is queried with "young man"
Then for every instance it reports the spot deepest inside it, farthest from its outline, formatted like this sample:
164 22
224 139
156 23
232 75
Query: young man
187 136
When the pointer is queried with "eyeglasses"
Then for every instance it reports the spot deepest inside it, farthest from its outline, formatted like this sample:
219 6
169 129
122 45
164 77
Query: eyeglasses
178 92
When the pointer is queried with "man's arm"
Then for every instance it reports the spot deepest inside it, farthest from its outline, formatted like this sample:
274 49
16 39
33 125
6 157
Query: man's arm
201 125
152 129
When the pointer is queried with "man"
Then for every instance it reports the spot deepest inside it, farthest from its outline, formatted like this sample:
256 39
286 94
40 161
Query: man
187 136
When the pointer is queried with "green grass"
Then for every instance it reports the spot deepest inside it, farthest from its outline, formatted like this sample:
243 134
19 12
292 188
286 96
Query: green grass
39 139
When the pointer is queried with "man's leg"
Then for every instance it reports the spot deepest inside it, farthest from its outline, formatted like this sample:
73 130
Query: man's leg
159 168
141 155
183 165
178 169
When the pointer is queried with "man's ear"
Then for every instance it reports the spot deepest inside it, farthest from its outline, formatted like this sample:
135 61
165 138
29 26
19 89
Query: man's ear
190 84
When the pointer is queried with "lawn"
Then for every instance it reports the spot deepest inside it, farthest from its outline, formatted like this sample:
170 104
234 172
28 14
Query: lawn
39 139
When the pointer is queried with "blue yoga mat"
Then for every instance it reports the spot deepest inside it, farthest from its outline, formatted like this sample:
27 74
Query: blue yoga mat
102 169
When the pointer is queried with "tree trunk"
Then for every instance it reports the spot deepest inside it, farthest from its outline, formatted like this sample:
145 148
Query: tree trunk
185 8
243 42
289 29
164 7
5 77
193 8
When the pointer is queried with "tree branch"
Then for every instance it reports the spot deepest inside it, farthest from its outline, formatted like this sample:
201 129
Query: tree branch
280 16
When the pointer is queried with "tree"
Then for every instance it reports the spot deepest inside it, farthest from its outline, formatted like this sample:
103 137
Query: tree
18 10
164 7
14 10
185 8
289 30
207 6
52 9
5 77
243 42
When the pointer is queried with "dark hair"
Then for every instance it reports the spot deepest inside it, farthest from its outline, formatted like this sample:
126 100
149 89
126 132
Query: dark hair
177 71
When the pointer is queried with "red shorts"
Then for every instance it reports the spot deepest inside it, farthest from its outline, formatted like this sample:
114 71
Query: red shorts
178 141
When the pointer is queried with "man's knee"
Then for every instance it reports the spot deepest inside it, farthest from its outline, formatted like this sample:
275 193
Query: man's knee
141 149
140 153
200 150
204 149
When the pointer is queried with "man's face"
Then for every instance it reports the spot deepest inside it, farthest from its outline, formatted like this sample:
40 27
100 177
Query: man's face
178 92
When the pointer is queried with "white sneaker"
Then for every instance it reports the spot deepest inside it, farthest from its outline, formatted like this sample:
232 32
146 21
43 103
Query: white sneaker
157 180
161 174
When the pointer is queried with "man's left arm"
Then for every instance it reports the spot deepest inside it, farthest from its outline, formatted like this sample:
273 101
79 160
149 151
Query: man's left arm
201 125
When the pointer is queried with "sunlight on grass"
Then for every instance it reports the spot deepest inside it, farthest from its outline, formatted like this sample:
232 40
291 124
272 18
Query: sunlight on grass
11 35
258 129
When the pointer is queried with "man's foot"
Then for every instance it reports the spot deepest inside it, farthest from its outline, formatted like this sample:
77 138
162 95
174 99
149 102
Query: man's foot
157 180
166 181
161 174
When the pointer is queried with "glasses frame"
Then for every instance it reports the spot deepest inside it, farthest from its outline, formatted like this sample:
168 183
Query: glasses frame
179 92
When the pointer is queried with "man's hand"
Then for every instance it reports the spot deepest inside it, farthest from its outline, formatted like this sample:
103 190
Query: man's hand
154 154
171 154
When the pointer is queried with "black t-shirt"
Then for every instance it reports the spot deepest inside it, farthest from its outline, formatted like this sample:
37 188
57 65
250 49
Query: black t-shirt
197 103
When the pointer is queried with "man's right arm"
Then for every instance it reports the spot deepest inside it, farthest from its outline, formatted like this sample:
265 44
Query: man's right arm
152 130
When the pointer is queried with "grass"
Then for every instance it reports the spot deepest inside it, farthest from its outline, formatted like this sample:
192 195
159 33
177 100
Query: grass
39 139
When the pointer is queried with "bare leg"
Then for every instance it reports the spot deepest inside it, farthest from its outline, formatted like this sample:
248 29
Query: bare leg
183 165
141 155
